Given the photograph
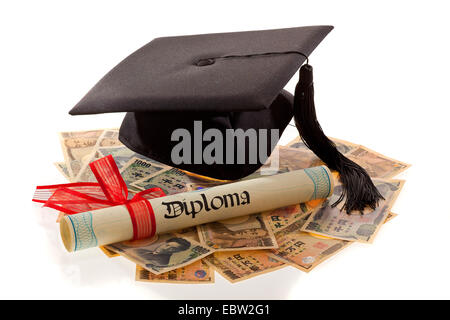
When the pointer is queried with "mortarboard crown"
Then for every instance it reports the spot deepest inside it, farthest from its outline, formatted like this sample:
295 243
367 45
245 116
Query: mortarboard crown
226 81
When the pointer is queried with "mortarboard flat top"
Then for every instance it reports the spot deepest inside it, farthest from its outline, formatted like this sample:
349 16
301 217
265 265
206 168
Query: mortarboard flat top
174 74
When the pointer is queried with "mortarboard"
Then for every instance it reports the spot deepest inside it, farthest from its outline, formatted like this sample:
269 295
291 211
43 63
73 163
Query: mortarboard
226 81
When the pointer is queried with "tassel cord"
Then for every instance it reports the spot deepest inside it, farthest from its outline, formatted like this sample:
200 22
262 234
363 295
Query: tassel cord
359 191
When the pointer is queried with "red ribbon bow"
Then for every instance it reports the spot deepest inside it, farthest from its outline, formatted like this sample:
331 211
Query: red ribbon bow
110 190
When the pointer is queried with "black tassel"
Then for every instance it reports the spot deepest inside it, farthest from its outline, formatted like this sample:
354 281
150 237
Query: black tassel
359 191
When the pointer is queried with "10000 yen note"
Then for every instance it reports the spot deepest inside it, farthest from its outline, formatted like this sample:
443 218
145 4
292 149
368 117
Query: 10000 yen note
241 233
162 253
137 169
238 266
333 222
109 138
293 159
304 250
376 165
196 272
280 218
284 159
77 148
343 146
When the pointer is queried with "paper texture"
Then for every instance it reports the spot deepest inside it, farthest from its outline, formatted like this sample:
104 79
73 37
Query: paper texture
241 233
183 210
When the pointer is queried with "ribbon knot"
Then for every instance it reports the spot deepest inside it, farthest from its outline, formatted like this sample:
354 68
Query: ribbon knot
109 190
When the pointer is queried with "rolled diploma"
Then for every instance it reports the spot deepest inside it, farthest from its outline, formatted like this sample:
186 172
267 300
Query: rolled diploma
183 210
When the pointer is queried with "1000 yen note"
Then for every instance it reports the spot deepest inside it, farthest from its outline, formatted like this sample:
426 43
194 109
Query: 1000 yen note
137 169
241 233
196 272
333 222
162 253
376 165
77 148
238 266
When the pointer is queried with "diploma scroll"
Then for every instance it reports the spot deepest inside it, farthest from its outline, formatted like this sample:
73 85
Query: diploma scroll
182 210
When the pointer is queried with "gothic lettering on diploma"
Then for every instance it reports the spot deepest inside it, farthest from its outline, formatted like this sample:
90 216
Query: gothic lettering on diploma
193 207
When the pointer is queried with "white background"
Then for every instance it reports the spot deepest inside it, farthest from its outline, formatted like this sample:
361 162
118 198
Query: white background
381 78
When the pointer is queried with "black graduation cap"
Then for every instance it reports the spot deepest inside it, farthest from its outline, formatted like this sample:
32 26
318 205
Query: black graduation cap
226 81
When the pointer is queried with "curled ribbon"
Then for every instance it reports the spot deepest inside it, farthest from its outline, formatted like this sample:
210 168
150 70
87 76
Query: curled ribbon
109 190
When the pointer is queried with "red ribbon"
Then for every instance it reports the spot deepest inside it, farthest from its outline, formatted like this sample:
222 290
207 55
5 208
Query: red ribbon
110 190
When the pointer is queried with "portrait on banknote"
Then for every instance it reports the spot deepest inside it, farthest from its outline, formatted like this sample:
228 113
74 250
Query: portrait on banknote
163 253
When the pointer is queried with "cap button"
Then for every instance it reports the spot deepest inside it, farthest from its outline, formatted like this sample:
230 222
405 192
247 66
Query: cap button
205 62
